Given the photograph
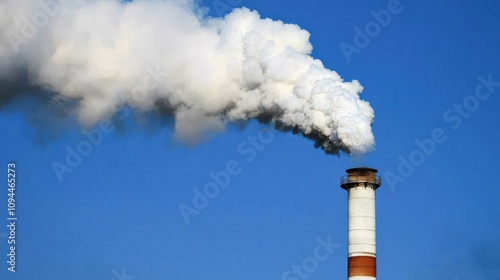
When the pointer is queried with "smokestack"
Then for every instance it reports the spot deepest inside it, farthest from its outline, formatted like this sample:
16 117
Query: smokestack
361 184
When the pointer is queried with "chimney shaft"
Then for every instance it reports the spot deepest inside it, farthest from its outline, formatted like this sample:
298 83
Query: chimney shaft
361 184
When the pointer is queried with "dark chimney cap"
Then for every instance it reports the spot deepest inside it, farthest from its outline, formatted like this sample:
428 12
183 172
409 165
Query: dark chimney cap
351 170
360 176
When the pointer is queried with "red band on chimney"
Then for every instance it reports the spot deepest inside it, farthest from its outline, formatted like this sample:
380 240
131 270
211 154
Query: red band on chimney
362 266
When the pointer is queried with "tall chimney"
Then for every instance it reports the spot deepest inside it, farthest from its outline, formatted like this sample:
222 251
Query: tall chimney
361 184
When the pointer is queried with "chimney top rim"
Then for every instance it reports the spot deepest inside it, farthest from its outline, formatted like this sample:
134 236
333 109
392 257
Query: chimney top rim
361 168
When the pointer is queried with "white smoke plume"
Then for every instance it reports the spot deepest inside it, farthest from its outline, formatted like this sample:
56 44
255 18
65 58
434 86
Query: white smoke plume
168 55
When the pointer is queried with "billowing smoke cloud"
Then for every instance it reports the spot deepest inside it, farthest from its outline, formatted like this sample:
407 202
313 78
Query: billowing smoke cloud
168 55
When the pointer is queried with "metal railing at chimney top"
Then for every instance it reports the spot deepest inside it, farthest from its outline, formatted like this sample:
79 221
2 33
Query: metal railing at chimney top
346 180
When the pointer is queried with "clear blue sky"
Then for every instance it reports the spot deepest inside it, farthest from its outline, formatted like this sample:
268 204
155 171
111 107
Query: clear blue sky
437 217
